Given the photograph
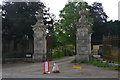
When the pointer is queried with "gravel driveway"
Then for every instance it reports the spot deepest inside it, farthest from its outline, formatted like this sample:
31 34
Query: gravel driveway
35 70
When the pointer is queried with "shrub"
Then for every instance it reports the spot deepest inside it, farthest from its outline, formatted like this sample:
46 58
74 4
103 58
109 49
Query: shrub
58 53
94 51
69 52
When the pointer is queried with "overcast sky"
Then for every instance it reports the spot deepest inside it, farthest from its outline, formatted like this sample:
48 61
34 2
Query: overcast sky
110 6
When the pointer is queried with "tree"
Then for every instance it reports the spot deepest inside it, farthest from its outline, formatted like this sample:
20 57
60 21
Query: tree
114 28
17 21
99 25
18 18
65 28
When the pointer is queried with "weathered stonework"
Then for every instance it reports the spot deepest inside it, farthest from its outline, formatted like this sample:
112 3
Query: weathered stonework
39 39
83 38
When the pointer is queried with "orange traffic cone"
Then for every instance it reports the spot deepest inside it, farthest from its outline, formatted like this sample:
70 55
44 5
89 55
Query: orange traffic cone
55 68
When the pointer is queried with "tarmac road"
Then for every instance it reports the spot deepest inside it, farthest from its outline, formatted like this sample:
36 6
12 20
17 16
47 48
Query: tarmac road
35 70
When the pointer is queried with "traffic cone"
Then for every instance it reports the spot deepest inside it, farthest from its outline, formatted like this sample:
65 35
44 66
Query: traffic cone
55 68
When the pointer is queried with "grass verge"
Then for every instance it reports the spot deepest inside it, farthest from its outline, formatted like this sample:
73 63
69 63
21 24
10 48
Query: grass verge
99 64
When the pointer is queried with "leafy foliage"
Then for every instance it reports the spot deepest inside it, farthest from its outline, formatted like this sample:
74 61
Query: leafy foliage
17 21
60 52
19 16
99 25
114 27
65 28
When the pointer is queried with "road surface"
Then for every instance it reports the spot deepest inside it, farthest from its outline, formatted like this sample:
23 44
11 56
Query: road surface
35 70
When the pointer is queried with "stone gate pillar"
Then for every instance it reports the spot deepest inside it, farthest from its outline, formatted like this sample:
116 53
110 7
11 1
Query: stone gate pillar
39 39
83 38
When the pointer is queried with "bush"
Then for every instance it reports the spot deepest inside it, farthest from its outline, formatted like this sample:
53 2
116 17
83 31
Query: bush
61 52
94 51
69 52
58 53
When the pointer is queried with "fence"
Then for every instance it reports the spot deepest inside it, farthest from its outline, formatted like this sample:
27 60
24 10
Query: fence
111 48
